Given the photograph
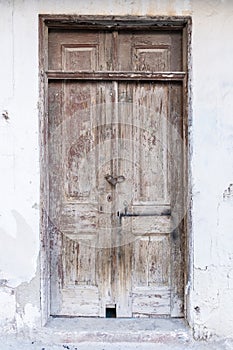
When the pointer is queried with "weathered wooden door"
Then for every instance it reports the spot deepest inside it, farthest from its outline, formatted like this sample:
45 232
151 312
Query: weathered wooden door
115 172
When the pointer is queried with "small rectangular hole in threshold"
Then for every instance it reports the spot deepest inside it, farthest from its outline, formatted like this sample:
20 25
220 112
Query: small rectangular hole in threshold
111 312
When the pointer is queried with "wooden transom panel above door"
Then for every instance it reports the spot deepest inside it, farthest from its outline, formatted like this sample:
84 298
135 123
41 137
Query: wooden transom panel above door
115 169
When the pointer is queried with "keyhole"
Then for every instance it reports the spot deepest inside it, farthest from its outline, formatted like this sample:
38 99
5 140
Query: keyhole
109 198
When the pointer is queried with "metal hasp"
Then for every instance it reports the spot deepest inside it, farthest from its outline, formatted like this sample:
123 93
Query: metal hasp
113 180
126 214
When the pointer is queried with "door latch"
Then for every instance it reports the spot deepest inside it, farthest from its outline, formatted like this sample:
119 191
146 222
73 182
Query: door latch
127 214
113 180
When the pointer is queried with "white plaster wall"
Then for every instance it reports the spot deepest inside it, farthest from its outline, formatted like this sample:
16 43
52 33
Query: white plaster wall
211 280
212 166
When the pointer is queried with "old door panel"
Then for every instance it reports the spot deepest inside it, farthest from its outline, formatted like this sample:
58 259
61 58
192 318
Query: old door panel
159 258
143 143
151 272
115 176
149 51
80 301
149 303
79 50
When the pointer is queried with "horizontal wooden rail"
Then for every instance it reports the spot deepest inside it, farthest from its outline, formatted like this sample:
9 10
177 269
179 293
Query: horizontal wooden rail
129 76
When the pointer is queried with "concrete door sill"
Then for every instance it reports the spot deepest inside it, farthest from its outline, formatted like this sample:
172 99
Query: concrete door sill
113 330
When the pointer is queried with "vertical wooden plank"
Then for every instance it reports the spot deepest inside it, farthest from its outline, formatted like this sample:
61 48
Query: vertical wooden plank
124 192
124 54
177 196
105 51
105 254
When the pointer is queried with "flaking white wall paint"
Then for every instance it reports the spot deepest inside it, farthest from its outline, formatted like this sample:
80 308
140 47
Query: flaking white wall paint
211 280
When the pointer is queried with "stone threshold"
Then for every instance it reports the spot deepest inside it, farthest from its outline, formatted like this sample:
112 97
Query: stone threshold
114 330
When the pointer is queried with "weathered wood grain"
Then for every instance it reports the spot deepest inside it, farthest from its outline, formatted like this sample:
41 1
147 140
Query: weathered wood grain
115 109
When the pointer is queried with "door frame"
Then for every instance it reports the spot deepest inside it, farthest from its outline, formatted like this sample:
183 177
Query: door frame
47 21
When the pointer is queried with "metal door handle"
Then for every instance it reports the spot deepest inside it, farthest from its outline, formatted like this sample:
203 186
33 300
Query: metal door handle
113 180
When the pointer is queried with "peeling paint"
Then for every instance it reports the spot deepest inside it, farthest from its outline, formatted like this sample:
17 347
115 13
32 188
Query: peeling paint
17 267
29 318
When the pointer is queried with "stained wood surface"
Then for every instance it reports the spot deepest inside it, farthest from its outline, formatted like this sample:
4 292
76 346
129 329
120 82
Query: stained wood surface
130 129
